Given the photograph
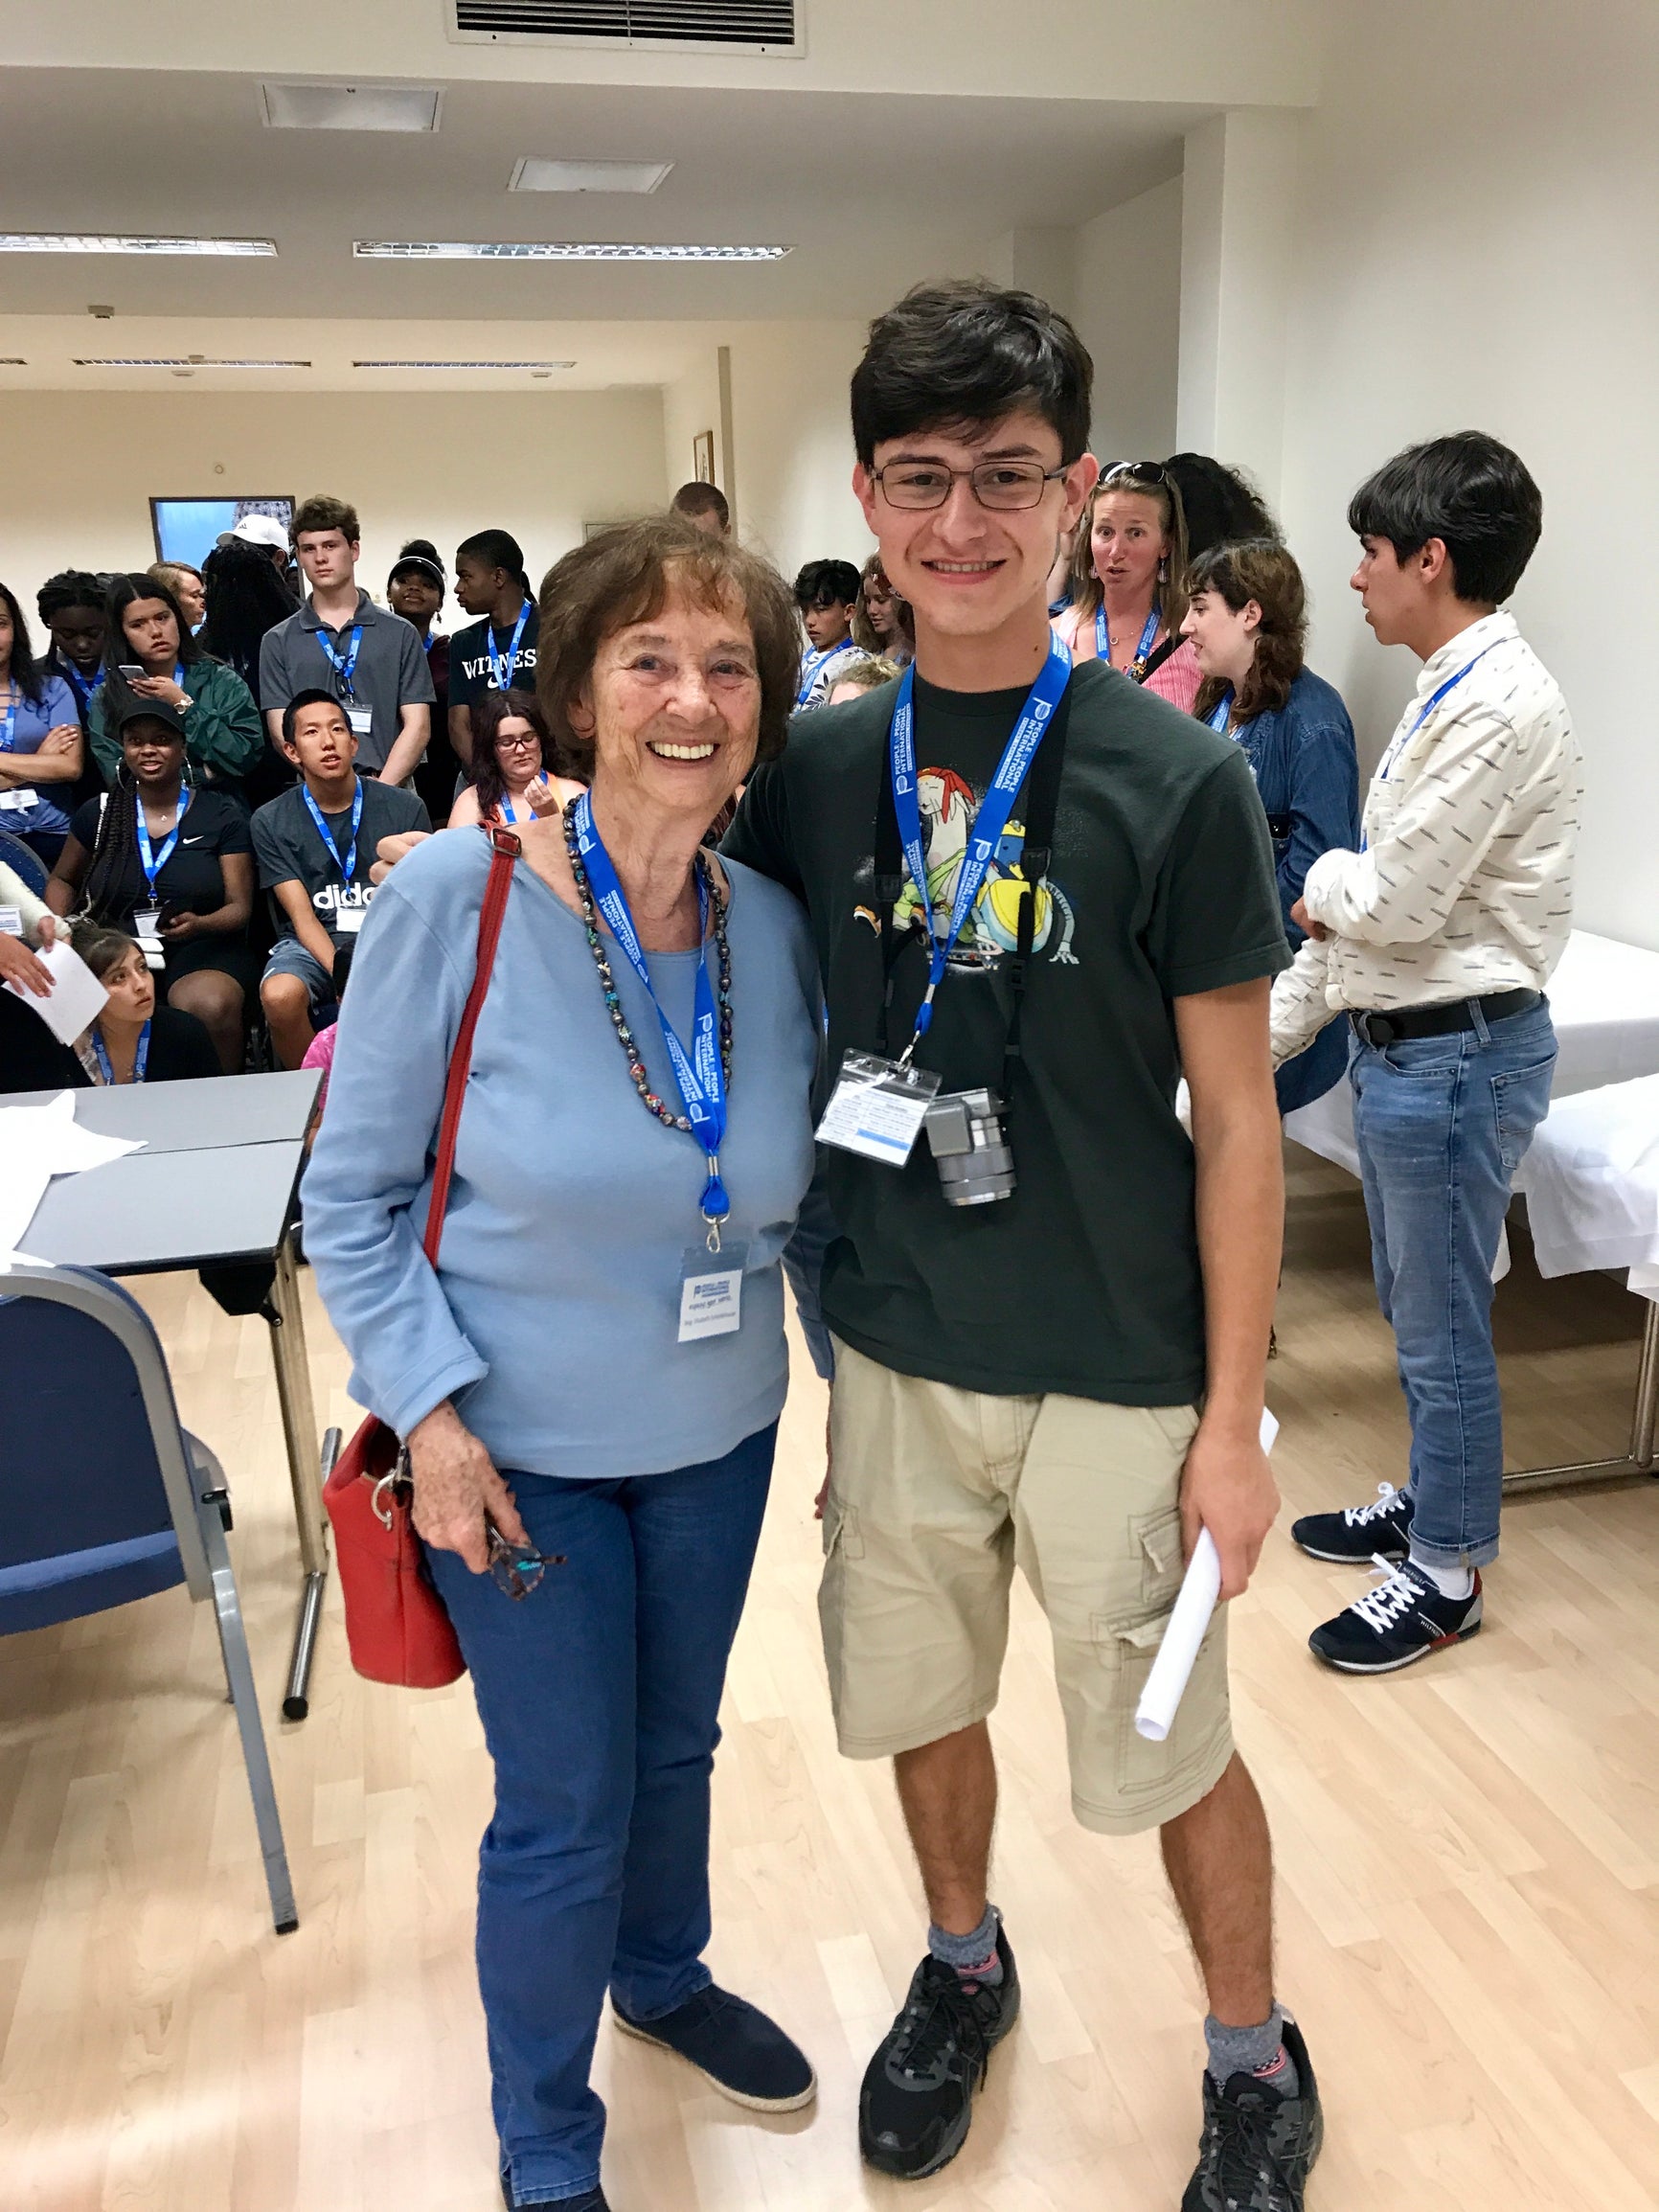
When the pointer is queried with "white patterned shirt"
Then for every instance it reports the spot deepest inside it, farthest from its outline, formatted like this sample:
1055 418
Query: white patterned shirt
1464 882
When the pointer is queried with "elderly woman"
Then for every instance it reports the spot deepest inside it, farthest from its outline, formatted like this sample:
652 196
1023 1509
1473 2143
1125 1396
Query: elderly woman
590 1382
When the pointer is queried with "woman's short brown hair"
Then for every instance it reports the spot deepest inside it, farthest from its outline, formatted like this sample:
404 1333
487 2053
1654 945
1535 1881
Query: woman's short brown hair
627 575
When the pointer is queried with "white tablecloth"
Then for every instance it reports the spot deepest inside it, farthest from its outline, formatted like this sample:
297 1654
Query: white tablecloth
1604 1000
1592 1184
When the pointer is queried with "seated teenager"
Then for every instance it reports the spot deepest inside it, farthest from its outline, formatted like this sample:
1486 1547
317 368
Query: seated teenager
314 846
1247 624
40 747
169 863
868 673
515 764
827 594
150 641
1129 562
134 1040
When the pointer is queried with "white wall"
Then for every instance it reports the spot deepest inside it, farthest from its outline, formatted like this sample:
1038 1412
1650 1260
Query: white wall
794 441
691 403
81 469
1126 303
1478 195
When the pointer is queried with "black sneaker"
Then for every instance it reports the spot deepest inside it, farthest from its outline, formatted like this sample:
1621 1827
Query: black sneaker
590 2200
747 2057
1359 1533
1257 2146
1402 1619
917 2099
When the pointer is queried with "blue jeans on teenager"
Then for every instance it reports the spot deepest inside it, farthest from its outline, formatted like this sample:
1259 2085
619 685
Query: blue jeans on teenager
1441 1124
598 1694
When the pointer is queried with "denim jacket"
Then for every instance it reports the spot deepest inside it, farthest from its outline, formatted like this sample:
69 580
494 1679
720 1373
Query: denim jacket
1305 767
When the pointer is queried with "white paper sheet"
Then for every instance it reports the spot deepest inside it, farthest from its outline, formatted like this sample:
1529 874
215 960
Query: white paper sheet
76 998
1201 1587
37 1142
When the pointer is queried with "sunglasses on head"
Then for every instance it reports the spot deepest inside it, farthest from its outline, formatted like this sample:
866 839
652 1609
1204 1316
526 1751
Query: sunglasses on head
1136 472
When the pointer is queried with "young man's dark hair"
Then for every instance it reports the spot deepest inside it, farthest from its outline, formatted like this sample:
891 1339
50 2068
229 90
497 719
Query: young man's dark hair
694 499
827 584
323 511
970 352
496 549
1472 493
315 697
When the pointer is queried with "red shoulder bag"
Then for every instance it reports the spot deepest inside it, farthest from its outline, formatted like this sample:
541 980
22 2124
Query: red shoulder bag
396 1625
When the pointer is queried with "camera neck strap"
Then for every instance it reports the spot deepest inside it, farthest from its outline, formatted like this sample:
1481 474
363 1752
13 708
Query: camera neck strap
1041 795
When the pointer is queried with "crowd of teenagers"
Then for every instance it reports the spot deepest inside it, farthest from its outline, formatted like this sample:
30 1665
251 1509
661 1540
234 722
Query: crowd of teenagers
958 862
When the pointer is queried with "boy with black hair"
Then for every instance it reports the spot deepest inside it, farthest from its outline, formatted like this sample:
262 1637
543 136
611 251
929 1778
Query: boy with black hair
827 593
1069 1374
498 653
315 846
1437 939
370 660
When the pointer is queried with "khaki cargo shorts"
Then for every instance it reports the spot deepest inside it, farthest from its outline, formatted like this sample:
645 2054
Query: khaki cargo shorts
936 1493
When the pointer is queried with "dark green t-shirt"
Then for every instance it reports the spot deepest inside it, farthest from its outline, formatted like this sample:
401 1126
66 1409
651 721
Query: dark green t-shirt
1088 1279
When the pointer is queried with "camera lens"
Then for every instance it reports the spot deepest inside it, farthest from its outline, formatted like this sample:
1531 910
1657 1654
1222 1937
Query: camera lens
965 1135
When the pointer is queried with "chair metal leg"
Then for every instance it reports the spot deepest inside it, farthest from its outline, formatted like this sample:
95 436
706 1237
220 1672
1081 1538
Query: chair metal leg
238 1668
296 1698
300 1431
1639 1459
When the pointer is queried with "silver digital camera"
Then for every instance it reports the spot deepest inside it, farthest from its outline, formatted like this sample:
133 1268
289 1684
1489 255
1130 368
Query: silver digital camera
965 1131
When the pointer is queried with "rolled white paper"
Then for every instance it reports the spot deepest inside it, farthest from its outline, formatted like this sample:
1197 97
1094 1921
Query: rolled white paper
1195 1603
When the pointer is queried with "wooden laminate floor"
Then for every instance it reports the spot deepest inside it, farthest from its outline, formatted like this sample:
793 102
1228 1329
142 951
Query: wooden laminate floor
1469 1860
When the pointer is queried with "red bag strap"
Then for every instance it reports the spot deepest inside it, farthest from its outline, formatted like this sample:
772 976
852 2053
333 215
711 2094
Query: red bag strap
504 851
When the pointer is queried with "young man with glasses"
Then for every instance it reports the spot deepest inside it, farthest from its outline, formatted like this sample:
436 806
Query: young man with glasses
1438 938
1052 1319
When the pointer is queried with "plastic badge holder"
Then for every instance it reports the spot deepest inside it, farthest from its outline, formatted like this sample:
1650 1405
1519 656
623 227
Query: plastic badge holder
877 1108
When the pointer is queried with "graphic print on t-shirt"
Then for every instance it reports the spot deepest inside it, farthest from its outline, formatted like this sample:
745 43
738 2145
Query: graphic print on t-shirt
949 806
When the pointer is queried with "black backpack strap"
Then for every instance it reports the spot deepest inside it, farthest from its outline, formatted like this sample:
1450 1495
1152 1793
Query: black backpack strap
889 889
1042 795
1158 655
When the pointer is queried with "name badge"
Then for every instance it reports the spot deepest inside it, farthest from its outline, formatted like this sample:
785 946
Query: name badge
18 800
348 920
361 720
711 1291
877 1108
11 921
146 929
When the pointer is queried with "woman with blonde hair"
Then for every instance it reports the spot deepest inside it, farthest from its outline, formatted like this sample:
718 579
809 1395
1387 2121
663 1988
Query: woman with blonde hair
1247 627
1129 572
883 626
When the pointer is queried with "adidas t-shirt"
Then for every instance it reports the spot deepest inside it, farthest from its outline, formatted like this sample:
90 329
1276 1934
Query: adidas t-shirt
289 849
1087 1280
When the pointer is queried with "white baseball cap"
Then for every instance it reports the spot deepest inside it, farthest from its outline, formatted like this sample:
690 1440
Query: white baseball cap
256 529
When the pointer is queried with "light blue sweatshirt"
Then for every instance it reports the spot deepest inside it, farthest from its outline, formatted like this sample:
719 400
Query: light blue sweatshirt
553 1318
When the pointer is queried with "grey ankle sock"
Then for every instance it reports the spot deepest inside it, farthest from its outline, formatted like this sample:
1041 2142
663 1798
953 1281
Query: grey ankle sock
1259 2051
974 1957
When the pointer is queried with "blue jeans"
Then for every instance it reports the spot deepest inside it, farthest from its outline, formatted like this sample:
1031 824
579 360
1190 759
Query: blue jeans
1441 1124
598 1694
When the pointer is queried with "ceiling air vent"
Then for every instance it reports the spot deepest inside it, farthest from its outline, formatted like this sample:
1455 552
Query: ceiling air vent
716 26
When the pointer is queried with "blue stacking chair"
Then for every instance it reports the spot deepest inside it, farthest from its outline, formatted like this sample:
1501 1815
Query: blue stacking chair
104 1497
23 861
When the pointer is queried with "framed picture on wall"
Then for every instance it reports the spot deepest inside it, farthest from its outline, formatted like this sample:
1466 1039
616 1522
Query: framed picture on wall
703 457
188 529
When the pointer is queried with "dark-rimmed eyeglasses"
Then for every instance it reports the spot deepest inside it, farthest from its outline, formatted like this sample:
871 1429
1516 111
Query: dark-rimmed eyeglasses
1005 486
517 1568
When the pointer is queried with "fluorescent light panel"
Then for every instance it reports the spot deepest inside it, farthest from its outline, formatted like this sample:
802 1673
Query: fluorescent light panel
12 361
108 242
533 175
463 364
545 250
174 361
337 106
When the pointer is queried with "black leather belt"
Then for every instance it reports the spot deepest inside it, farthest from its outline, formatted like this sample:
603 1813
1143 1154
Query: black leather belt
1441 1020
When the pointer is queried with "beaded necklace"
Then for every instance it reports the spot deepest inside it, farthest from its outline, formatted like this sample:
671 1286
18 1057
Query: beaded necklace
612 997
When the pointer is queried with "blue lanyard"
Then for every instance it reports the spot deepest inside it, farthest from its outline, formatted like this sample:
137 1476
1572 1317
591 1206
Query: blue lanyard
1450 685
83 690
989 823
1220 714
140 1059
345 861
345 668
1103 639
152 864
503 670
811 668
7 735
507 813
699 1073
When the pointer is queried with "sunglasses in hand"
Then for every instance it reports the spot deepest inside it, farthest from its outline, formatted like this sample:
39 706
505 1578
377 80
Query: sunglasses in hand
517 1568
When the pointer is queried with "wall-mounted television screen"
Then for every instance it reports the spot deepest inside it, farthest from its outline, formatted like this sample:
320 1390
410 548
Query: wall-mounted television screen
188 529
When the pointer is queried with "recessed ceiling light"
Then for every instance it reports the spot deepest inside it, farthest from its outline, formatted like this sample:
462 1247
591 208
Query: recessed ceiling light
106 242
533 175
175 361
350 107
540 366
545 250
